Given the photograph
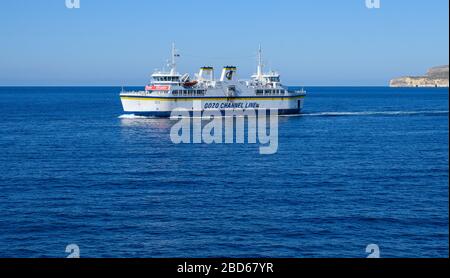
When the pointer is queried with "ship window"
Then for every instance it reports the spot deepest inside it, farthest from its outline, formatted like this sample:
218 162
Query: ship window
274 79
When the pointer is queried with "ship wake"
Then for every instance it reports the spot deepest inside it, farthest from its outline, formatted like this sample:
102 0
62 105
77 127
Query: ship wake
132 117
373 113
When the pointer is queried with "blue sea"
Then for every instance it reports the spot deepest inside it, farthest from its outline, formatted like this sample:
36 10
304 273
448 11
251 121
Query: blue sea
362 165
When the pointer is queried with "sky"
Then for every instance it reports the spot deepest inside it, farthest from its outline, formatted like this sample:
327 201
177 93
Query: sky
309 42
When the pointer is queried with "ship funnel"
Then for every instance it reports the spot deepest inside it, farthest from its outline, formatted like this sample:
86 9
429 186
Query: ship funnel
228 73
206 73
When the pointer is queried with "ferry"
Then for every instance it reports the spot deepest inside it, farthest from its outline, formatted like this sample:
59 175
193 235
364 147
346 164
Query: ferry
169 90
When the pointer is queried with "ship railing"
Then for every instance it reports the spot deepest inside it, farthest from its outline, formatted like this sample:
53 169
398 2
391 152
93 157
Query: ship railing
135 93
297 92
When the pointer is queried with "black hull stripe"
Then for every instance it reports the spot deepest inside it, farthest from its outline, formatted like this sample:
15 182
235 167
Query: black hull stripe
166 114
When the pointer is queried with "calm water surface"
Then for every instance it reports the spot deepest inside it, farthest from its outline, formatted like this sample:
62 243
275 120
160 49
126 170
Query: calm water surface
361 166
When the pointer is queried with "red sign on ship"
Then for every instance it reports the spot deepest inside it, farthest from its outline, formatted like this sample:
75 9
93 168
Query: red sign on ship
157 88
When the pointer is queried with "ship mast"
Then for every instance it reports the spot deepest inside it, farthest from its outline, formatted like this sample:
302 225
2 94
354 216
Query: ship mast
173 65
260 64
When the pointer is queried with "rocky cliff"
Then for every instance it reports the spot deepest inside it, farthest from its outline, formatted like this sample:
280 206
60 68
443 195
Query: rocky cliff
435 77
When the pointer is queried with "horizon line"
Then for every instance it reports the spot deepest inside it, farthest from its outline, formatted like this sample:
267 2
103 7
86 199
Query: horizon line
106 85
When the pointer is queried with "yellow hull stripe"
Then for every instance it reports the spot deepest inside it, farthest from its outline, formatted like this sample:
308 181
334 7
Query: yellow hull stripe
218 98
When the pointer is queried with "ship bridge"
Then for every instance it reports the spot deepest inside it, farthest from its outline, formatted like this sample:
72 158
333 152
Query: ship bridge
170 77
166 77
260 77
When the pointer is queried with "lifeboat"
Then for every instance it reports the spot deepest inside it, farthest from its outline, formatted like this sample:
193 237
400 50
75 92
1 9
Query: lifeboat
190 83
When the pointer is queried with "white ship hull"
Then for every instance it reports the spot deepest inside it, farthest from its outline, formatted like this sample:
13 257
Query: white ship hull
146 105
